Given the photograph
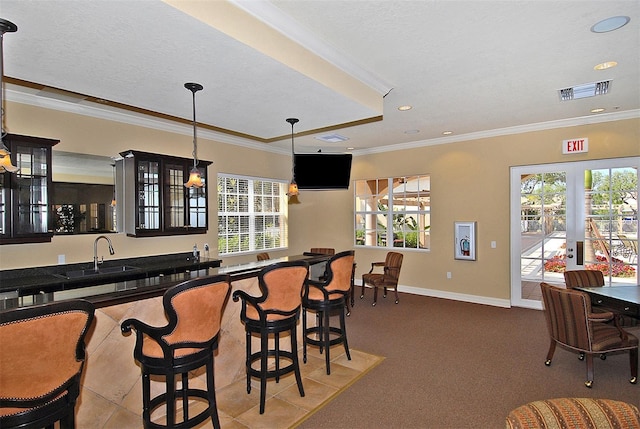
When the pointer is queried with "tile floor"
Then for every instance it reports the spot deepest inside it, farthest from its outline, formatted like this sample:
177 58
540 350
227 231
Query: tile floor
284 407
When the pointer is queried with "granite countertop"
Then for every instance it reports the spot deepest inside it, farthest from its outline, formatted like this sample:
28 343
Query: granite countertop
147 277
54 278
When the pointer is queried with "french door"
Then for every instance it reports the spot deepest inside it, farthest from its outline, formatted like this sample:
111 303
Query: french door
567 216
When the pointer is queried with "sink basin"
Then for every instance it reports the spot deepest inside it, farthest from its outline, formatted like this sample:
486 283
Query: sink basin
102 270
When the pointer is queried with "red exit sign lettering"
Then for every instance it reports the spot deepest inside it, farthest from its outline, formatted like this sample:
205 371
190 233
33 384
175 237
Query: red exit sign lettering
575 146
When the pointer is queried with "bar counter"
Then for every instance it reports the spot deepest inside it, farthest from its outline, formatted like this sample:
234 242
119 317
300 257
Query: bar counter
111 384
147 278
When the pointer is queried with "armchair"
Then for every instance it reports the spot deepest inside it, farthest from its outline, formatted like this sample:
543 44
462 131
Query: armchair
388 279
573 325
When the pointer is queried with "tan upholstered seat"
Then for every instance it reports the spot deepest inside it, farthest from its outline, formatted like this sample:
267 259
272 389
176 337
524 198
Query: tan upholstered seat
583 413
573 325
187 342
388 279
324 297
277 310
42 355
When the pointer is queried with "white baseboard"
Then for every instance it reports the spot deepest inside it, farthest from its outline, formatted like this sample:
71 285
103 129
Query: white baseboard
475 299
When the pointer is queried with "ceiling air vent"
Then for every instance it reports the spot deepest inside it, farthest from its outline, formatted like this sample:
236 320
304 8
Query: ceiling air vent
332 138
584 91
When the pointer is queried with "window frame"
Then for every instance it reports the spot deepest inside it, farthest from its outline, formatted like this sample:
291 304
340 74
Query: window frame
376 200
277 201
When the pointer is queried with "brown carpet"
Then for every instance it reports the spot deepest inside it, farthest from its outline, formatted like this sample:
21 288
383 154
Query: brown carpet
452 364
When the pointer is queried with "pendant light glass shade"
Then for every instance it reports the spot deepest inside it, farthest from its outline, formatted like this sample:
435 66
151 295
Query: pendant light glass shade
195 179
5 156
195 175
293 186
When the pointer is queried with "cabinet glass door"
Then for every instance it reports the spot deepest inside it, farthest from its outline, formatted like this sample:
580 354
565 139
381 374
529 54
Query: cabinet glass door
148 195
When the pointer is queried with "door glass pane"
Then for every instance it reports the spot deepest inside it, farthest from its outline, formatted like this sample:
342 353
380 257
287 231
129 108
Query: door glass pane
543 226
611 224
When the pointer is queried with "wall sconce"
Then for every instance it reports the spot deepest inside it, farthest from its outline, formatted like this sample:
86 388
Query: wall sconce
5 155
195 175
293 186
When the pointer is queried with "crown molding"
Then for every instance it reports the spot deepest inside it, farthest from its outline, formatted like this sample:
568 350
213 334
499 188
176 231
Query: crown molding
521 129
118 115
131 118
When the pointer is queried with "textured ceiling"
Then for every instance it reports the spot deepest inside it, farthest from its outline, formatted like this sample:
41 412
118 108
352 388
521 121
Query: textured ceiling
470 67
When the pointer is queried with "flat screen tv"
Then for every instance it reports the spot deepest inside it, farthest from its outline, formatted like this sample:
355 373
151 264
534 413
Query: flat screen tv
322 170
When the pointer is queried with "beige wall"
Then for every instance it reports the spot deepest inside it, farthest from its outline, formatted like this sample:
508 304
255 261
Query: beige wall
469 181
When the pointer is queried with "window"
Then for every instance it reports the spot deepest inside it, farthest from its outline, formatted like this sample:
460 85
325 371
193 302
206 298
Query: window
252 214
393 212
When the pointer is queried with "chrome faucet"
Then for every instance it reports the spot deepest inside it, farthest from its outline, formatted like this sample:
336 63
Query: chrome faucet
95 250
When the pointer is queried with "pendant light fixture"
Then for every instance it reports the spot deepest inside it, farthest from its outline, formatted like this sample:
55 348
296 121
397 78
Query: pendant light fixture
5 155
293 186
195 176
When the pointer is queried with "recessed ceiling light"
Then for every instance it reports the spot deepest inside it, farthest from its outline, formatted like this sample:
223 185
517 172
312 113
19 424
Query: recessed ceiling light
404 108
412 131
350 148
447 133
598 110
610 24
604 66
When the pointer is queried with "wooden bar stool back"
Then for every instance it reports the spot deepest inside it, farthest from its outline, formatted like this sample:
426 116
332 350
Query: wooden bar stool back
187 342
276 311
42 357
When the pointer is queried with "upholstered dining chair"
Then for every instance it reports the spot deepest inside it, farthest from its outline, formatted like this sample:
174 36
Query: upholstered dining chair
264 256
42 355
187 342
583 278
276 311
595 278
323 250
388 279
323 298
573 325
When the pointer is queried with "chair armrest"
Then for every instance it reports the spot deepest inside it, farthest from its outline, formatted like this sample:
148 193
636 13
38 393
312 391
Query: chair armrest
600 317
375 264
142 328
240 294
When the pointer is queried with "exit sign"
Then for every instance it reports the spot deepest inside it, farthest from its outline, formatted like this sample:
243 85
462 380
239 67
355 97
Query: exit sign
575 146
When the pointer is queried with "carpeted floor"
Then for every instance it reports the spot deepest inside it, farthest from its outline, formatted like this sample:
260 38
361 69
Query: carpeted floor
451 364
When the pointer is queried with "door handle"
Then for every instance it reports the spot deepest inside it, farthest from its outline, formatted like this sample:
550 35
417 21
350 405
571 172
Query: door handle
579 252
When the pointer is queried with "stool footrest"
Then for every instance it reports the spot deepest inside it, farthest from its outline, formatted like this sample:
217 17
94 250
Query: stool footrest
317 331
284 354
161 400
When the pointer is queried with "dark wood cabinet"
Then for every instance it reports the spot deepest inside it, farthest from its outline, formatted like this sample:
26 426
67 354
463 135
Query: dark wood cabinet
25 196
156 201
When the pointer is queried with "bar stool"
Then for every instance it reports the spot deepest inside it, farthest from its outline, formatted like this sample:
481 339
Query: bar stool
275 312
326 297
42 355
194 310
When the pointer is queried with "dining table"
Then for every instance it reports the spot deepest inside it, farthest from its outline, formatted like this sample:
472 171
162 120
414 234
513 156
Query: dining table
624 299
